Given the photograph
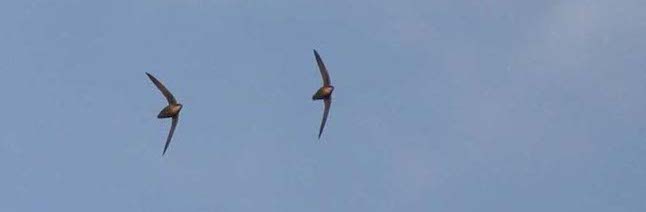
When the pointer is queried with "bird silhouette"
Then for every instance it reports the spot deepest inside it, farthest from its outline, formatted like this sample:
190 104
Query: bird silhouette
325 92
170 111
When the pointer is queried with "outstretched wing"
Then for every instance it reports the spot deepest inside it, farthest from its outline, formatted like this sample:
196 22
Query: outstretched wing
328 103
162 88
170 133
324 74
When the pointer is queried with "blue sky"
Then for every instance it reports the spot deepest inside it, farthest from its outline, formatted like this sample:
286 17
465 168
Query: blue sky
439 105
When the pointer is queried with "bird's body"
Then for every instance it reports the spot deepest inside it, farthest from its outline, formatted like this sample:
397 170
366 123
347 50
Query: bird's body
325 92
170 111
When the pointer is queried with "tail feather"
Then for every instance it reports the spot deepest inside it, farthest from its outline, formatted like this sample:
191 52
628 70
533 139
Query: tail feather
318 95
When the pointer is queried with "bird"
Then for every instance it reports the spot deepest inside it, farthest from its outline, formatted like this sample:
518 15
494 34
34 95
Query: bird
170 111
325 92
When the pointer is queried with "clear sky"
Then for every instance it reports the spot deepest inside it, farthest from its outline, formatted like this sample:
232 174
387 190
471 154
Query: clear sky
500 105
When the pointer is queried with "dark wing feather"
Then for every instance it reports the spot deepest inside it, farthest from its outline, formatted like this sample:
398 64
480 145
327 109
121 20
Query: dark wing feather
170 133
328 103
324 74
162 88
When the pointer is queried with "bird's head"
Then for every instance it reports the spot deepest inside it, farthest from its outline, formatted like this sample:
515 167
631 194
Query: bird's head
178 107
329 88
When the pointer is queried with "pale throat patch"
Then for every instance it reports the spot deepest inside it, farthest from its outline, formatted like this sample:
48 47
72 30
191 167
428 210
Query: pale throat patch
175 109
327 90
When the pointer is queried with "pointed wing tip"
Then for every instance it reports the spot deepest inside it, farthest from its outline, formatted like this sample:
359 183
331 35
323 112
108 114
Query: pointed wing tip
164 152
150 76
321 129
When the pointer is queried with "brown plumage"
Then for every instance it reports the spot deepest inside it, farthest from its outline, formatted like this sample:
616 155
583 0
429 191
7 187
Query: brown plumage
170 111
325 92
